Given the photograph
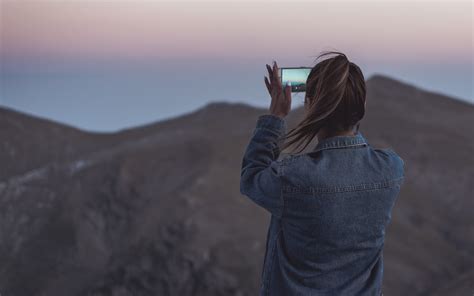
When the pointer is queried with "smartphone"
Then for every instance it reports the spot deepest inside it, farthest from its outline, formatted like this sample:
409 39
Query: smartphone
296 75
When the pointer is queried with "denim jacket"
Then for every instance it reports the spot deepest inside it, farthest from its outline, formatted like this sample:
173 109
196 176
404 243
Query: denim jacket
329 210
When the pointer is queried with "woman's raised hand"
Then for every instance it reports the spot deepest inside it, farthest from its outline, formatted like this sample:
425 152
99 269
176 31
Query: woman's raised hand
281 97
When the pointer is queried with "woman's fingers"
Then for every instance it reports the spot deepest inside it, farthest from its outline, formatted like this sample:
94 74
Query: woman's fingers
276 76
281 96
273 83
288 93
269 87
270 72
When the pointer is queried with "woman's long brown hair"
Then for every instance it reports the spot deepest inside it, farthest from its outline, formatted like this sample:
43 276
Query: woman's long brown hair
335 99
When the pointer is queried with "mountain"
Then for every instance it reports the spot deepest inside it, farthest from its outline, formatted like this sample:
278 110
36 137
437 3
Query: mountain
156 210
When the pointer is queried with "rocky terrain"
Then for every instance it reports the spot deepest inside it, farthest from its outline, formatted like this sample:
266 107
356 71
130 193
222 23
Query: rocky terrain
156 209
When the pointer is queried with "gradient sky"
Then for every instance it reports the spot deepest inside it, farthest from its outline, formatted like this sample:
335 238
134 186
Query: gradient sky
429 44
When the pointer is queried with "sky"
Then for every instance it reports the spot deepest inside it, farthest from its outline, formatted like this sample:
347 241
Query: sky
108 65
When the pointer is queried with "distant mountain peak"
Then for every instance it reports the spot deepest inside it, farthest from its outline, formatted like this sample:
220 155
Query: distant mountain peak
392 85
382 80
225 105
221 106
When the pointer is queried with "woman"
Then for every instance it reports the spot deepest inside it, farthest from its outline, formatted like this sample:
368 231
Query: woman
329 207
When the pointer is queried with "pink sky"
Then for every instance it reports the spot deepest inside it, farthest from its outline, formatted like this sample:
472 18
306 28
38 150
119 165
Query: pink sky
376 31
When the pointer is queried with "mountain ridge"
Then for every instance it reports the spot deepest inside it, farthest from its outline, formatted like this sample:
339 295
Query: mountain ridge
376 78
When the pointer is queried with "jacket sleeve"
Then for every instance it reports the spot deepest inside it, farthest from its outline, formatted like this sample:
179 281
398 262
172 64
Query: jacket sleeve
260 177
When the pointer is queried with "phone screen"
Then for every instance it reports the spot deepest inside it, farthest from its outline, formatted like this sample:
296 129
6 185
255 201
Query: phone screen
297 77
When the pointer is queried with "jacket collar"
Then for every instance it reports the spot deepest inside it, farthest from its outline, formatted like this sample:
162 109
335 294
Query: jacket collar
341 142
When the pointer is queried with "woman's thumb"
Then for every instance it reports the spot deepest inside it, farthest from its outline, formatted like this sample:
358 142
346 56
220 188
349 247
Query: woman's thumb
288 90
